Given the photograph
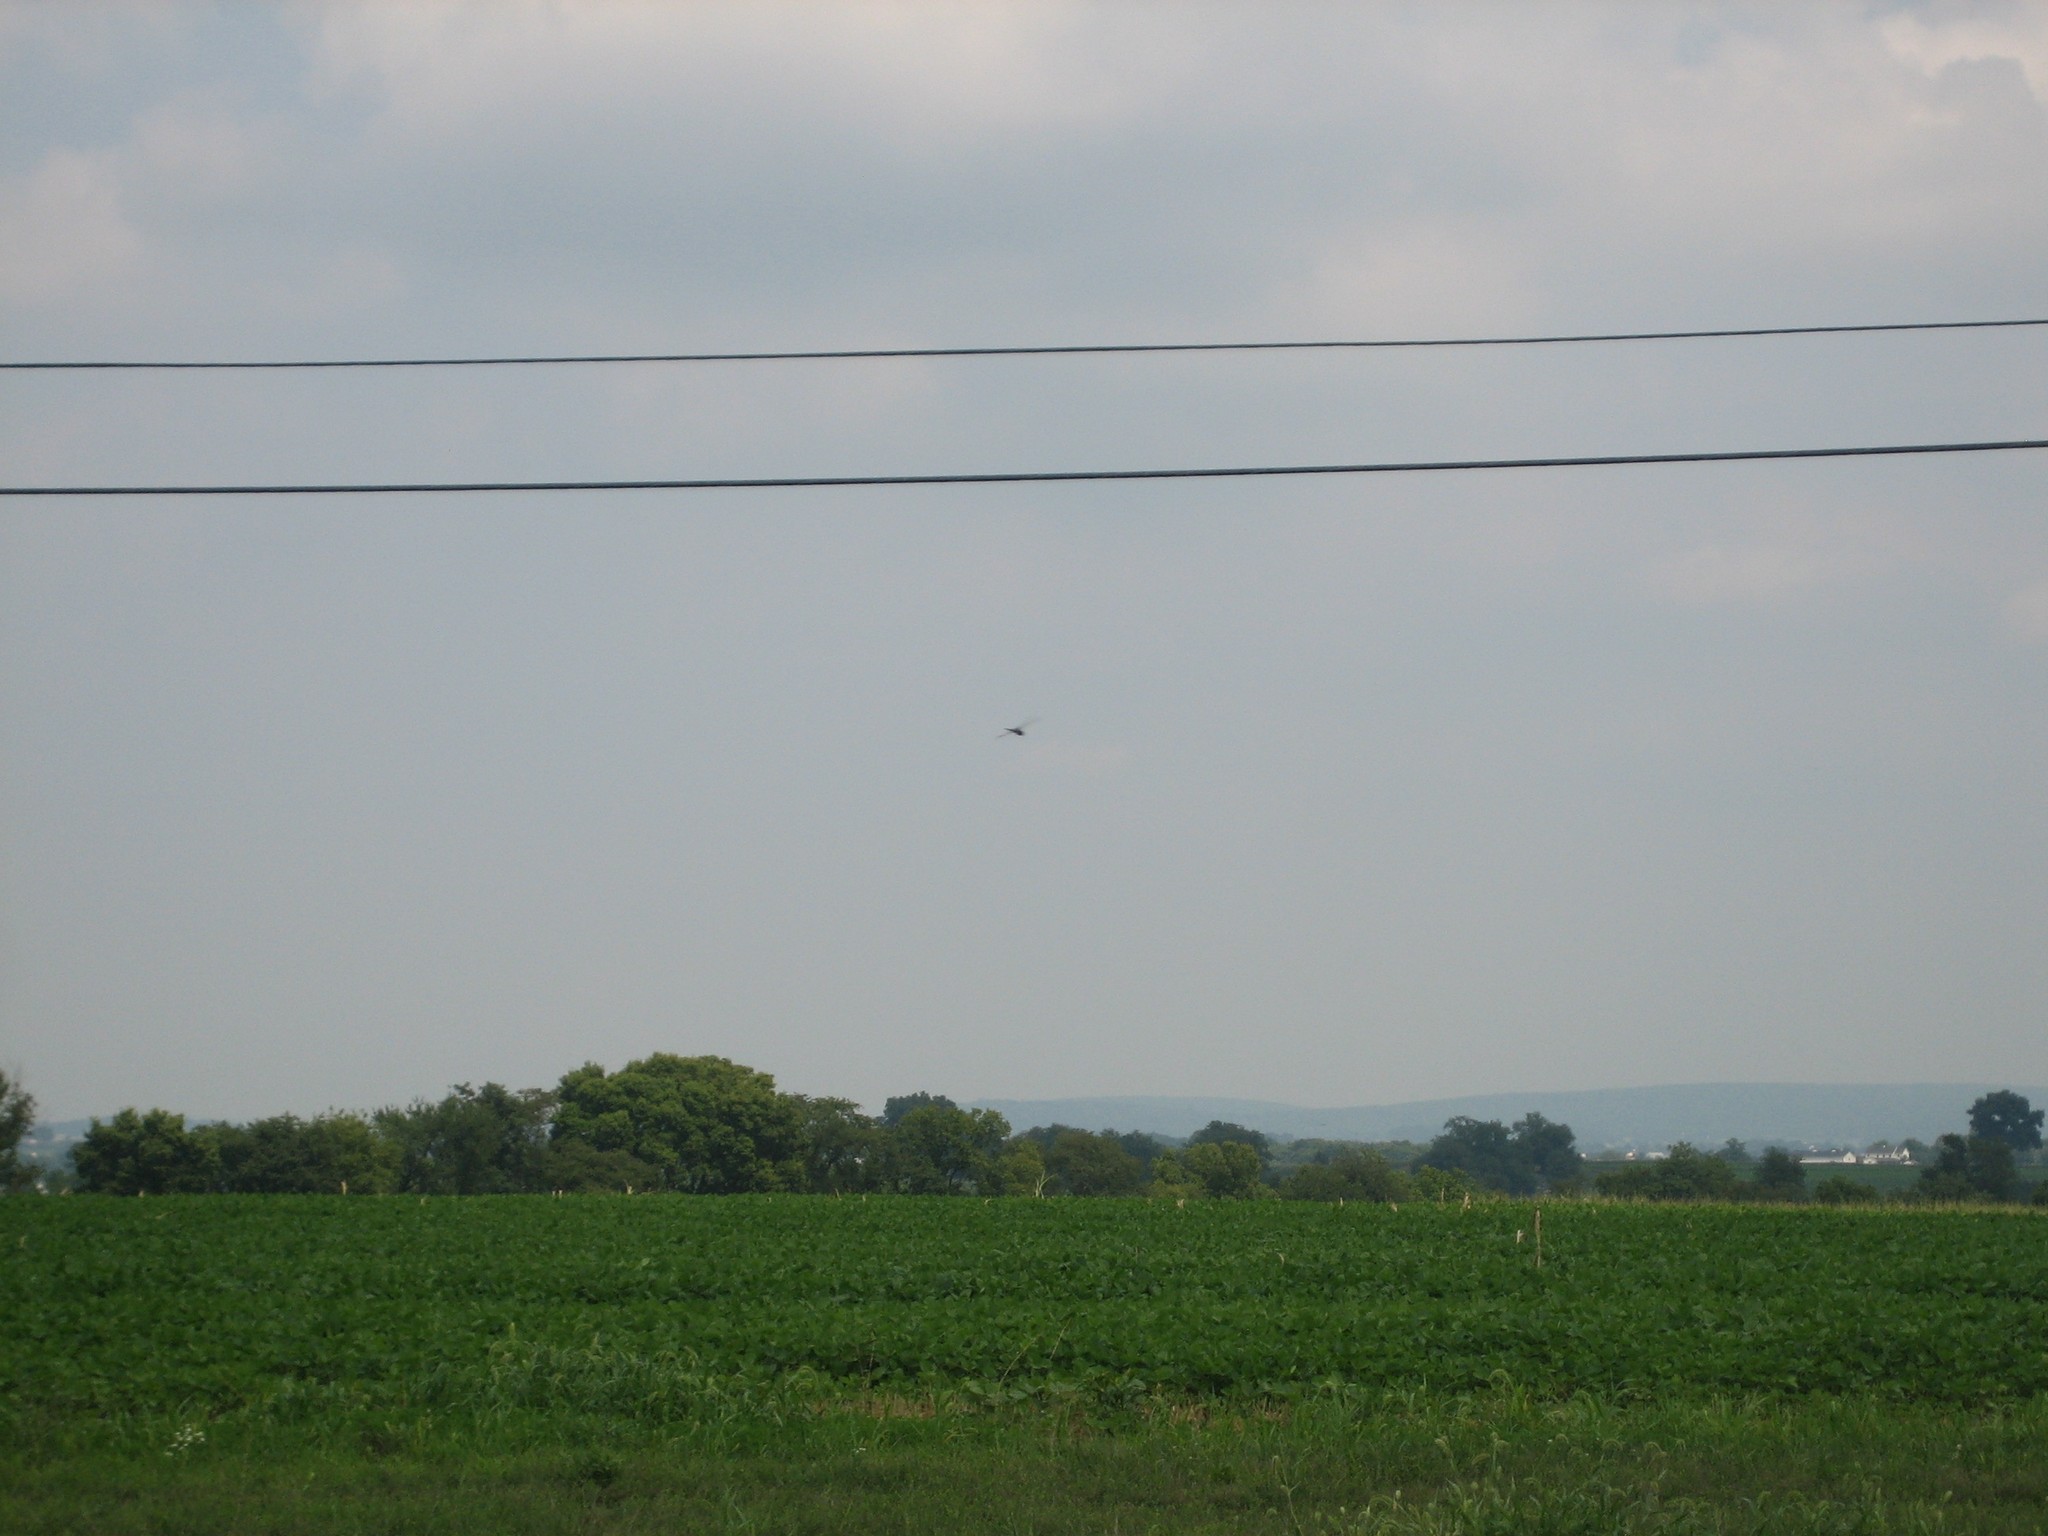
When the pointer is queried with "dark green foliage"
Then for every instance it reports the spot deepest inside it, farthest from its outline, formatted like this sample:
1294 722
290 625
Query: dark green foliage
151 1153
1353 1174
1221 1131
1685 1173
1484 1152
1843 1190
1519 1161
842 1146
1214 1170
939 1150
1549 1148
575 1167
1141 1146
1971 1168
2008 1117
491 1140
1082 1163
1779 1176
1137 1146
893 1110
284 1155
1043 1136
17 1114
703 1124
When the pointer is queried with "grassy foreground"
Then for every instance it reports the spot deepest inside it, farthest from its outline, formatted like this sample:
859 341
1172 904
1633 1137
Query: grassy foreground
798 1364
1431 1464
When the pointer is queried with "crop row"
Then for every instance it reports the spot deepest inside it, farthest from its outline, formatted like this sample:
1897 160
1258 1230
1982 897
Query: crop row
236 1302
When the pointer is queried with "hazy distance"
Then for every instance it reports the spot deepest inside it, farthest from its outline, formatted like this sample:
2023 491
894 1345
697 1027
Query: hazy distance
1339 792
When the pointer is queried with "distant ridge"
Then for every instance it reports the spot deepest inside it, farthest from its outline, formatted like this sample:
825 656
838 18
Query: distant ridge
1819 1114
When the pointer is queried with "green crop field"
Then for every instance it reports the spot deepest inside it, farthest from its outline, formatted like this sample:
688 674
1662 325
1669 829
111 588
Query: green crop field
805 1363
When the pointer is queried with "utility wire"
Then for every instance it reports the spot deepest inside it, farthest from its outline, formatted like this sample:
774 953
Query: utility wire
1021 477
1084 349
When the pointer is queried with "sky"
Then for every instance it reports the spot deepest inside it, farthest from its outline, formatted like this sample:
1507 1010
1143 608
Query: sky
1341 791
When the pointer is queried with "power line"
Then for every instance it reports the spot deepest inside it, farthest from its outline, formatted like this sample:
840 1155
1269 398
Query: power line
1076 350
1023 477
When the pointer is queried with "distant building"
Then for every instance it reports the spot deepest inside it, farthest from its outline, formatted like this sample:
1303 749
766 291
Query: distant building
1877 1157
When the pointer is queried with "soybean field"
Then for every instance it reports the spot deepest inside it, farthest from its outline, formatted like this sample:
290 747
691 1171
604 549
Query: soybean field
118 1305
192 1351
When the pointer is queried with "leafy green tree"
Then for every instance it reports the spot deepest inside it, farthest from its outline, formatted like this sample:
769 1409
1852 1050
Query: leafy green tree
575 1167
1684 1173
284 1155
893 1110
1548 1147
935 1150
1215 1170
1141 1146
1083 1163
17 1115
1353 1174
1779 1176
1020 1170
491 1140
1484 1151
1536 1152
1171 1180
1735 1153
841 1145
1970 1168
1135 1145
1221 1132
702 1124
1043 1135
152 1153
2007 1116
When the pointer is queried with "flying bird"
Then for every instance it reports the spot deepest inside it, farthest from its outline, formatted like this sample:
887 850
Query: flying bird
1018 729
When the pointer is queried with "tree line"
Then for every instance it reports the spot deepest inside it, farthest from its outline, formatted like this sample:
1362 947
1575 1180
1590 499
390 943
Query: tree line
707 1125
1980 1167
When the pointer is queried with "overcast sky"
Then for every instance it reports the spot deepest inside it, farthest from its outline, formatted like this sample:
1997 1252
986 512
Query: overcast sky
1343 791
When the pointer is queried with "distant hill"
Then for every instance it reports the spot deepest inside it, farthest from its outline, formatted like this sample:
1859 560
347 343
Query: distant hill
1707 1114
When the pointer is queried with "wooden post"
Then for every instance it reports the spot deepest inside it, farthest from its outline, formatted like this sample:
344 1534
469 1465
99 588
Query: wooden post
1539 1237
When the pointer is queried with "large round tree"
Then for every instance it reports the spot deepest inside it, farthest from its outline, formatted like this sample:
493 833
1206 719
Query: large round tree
703 1124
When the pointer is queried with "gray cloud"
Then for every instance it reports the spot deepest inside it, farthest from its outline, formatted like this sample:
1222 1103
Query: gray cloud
1344 791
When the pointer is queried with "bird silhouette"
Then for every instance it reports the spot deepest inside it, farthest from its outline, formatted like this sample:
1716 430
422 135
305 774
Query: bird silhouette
1018 729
